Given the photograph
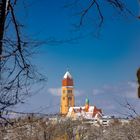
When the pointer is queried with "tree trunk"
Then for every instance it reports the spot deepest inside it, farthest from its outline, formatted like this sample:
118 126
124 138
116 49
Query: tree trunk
2 20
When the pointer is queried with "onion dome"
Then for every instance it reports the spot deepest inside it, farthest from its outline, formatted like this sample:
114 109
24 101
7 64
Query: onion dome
87 101
67 79
87 105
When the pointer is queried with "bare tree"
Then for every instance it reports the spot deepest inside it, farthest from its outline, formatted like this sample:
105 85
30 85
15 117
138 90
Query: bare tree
17 73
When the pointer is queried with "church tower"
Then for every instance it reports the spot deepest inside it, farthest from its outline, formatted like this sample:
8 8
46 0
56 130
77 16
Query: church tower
67 95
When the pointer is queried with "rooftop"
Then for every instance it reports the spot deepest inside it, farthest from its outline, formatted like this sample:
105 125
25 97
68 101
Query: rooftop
67 75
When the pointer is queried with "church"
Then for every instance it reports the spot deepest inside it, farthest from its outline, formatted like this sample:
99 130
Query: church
67 104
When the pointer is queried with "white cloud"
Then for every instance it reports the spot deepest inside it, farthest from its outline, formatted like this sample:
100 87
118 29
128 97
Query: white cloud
133 84
78 92
111 97
127 90
97 91
55 91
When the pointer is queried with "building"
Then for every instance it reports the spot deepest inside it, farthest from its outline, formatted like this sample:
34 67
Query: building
67 95
68 108
85 112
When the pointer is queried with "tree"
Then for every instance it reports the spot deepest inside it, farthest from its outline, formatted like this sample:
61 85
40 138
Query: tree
16 71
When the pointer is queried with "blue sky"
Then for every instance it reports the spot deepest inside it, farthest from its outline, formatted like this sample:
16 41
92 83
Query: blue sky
103 62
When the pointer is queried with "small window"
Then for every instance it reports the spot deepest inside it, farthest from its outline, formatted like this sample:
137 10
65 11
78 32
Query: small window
69 91
69 98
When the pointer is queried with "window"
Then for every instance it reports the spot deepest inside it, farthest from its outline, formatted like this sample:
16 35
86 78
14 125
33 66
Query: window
63 98
69 101
69 91
69 98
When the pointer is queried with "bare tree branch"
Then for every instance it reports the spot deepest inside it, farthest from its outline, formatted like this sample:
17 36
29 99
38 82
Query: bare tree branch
85 11
16 71
91 6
